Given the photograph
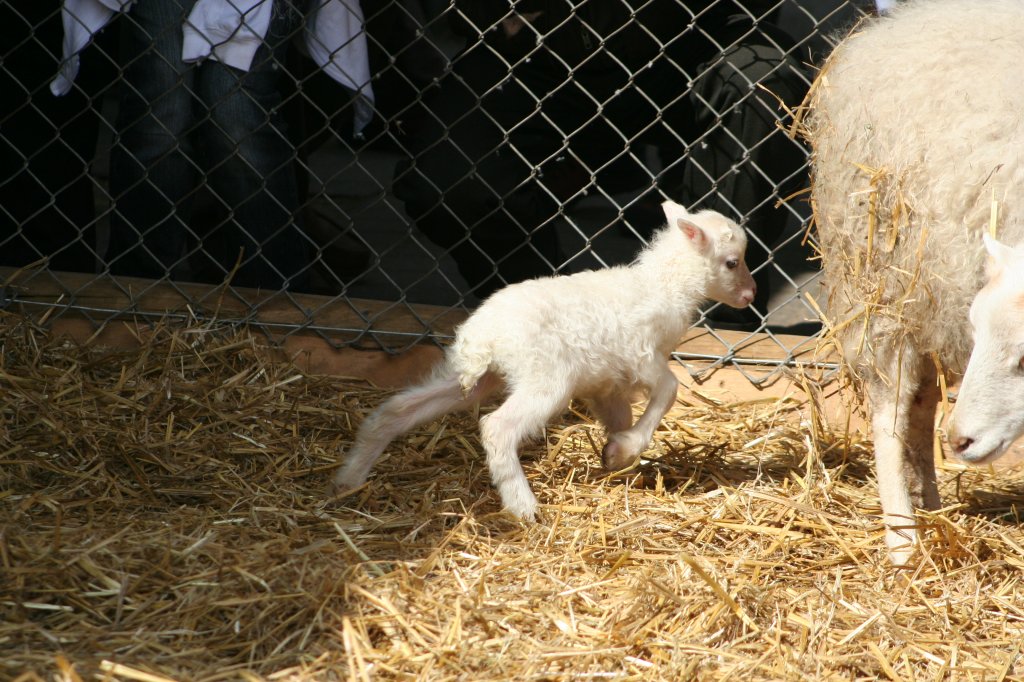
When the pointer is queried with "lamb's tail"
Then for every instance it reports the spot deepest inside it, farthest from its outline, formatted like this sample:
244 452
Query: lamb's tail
469 360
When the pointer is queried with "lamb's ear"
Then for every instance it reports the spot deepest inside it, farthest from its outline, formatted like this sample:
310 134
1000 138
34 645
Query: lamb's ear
673 212
999 255
695 233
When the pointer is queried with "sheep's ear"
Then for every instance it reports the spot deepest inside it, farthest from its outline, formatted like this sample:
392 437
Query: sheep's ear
999 255
695 233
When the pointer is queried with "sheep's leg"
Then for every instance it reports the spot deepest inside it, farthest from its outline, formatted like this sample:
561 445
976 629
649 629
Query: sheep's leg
523 414
903 413
623 447
920 452
402 413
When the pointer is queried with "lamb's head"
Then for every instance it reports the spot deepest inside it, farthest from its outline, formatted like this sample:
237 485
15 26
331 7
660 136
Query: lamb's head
989 411
722 243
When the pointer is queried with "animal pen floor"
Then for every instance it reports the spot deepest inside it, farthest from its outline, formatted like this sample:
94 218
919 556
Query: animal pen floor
162 517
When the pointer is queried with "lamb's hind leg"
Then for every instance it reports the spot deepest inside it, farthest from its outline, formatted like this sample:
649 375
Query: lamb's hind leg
903 414
613 409
401 413
523 414
623 447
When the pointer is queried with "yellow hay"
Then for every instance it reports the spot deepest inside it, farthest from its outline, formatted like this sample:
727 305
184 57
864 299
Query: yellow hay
162 519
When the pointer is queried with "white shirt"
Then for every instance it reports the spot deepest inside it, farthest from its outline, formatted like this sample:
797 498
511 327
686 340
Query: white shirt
231 31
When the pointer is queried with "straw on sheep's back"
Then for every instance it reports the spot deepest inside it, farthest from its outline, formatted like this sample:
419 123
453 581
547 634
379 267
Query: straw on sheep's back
916 128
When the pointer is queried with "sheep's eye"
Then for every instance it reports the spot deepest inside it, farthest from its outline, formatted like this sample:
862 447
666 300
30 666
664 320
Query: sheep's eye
732 263
1020 364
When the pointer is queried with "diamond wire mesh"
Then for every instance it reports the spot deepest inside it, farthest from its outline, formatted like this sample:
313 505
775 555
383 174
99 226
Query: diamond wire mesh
507 140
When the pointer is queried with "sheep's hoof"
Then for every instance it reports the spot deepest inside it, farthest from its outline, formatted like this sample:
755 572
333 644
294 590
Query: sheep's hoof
901 546
615 456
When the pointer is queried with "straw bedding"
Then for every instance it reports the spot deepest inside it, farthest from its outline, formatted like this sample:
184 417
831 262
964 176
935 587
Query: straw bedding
162 518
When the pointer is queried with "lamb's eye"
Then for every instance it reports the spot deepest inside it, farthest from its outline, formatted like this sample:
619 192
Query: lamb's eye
732 263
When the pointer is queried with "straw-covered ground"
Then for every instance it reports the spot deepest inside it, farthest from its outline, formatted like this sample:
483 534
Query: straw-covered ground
162 517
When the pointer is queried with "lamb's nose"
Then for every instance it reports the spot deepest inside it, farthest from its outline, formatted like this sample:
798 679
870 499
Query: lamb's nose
960 443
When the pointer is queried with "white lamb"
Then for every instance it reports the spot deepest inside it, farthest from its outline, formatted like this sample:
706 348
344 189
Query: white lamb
917 126
598 335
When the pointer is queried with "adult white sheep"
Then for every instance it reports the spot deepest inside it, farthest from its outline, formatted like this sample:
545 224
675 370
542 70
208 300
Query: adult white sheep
598 335
916 128
989 412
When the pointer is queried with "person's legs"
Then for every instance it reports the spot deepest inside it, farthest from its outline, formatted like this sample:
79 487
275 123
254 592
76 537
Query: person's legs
739 161
472 189
47 208
152 173
250 160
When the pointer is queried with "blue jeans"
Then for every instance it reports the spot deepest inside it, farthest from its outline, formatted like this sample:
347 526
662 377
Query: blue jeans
182 125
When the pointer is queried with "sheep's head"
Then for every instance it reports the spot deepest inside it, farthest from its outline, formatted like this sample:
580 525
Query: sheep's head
989 411
722 243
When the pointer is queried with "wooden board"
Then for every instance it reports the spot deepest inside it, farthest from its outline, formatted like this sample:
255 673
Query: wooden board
329 350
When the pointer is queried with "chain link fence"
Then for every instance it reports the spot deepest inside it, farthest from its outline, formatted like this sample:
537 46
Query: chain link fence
371 170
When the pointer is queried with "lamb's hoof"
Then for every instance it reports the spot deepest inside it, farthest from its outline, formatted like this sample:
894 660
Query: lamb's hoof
525 517
342 484
615 456
523 508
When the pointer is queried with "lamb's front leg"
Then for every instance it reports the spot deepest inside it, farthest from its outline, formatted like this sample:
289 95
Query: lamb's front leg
624 447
